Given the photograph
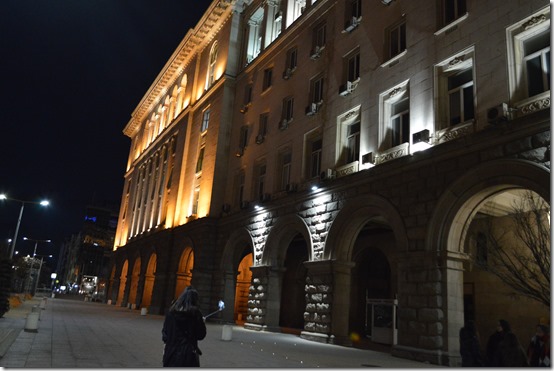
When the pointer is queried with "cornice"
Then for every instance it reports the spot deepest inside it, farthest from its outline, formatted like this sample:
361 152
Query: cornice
192 44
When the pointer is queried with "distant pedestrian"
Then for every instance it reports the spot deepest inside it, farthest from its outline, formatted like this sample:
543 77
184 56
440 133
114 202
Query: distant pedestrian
503 348
470 347
183 327
538 351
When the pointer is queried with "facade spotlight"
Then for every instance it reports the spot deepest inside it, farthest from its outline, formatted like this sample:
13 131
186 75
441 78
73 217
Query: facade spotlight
420 141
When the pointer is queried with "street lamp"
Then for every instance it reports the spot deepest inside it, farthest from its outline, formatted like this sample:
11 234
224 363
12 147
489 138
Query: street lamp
4 197
39 269
33 261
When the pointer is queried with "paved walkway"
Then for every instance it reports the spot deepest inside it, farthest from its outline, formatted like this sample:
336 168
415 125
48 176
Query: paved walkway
78 334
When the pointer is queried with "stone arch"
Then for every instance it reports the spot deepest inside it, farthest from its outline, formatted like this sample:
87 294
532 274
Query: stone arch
232 256
354 215
184 270
149 278
459 203
281 234
133 287
452 217
122 282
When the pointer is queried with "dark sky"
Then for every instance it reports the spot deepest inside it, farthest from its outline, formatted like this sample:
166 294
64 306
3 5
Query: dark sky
71 74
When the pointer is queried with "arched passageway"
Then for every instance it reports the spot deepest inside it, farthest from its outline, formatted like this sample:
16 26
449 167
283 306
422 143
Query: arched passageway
133 289
122 283
149 281
244 279
293 301
184 272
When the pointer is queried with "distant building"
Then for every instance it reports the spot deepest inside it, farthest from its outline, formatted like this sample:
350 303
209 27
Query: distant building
322 167
89 252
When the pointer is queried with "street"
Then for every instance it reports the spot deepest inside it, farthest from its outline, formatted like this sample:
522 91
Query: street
78 334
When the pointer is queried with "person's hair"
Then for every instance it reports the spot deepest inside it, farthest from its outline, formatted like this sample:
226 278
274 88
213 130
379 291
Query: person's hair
505 325
187 301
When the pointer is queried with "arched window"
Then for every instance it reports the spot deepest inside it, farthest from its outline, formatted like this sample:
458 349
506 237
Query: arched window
181 97
211 66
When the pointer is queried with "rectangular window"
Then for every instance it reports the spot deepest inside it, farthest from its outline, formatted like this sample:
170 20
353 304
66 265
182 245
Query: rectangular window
292 56
243 140
248 94
288 108
400 122
353 12
397 39
298 8
240 187
260 183
268 75
200 161
537 63
285 170
353 143
317 90
254 35
452 10
205 120
319 35
460 97
315 158
353 67
262 128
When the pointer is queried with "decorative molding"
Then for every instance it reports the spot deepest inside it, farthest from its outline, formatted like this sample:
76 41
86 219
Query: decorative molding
456 132
534 21
347 169
537 105
395 152
456 61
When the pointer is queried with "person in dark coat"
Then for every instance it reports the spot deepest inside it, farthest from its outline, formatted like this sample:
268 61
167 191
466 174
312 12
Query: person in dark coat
182 329
470 348
504 350
538 351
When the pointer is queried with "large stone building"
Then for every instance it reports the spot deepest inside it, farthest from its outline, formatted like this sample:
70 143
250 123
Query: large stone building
325 166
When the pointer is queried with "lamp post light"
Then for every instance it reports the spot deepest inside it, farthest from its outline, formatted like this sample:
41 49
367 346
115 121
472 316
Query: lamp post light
33 257
4 197
39 269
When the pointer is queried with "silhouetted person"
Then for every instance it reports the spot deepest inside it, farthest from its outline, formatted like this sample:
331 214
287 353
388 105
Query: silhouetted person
183 327
538 351
470 348
503 348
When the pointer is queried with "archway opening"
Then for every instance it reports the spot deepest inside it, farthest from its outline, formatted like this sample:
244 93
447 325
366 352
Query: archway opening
373 288
122 282
134 283
244 279
508 227
149 281
293 299
184 272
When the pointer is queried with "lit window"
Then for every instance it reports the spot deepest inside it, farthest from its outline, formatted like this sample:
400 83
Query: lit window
298 8
277 24
211 66
205 120
254 45
353 143
454 91
400 122
529 62
200 160
460 97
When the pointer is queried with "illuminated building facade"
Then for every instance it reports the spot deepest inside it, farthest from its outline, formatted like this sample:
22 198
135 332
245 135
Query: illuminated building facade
322 167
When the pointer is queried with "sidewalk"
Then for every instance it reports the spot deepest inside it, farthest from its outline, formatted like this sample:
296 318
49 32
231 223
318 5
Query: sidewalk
77 334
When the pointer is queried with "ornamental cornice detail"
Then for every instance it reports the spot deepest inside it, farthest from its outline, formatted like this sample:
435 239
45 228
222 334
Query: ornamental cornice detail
536 106
534 21
194 42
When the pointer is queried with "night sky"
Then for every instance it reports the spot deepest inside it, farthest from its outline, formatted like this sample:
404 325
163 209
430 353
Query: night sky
71 74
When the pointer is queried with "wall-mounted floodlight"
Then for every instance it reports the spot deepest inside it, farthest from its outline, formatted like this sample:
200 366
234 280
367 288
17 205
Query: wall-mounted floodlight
420 141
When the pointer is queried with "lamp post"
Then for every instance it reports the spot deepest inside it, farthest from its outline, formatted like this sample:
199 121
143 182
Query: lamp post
4 197
33 261
39 269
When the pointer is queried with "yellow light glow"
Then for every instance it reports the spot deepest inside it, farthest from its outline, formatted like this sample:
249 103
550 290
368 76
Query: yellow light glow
199 93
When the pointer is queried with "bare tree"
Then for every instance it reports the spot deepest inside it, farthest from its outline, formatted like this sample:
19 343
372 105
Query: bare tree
520 255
